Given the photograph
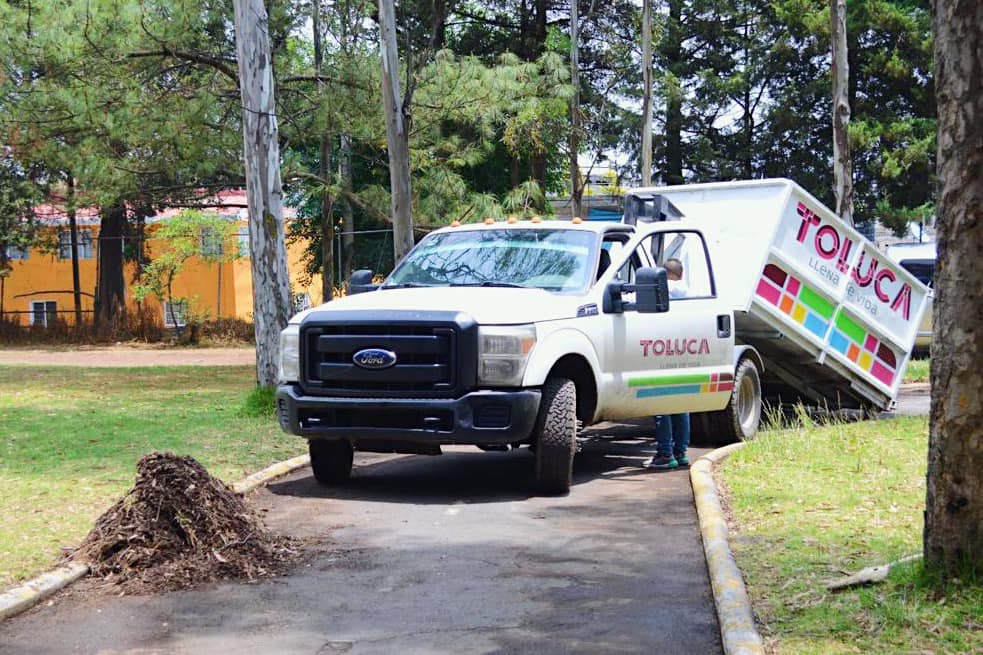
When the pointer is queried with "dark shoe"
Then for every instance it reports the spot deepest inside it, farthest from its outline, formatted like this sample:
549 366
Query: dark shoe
662 463
682 459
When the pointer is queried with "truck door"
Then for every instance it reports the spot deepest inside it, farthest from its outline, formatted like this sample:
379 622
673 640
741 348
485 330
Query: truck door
679 361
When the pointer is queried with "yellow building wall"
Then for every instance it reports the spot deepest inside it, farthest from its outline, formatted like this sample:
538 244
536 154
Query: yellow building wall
213 290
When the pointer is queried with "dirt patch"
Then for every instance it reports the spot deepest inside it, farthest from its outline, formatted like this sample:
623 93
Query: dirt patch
130 355
180 527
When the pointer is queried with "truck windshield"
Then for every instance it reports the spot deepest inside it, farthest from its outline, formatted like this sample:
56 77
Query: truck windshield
555 260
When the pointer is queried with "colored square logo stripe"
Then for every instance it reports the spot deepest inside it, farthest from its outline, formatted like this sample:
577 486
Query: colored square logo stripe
670 385
863 349
804 305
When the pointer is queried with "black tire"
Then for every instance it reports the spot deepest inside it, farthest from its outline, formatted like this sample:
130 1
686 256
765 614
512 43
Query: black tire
556 435
331 460
738 421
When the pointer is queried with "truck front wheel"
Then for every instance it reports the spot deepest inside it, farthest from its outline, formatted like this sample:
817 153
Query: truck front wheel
556 435
740 419
331 460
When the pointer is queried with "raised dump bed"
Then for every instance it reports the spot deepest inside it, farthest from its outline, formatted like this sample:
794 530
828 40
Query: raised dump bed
833 318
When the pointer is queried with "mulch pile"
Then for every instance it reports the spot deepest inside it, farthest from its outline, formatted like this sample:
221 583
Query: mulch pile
177 528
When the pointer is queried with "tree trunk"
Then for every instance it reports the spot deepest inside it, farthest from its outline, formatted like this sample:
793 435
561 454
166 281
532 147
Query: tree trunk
672 50
397 135
327 242
647 93
73 226
110 284
954 500
347 216
261 151
576 185
747 121
327 224
842 170
327 202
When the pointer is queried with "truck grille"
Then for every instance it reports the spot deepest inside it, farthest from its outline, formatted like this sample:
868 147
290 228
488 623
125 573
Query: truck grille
425 359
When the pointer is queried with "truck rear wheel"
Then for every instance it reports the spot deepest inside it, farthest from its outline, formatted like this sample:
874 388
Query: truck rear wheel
331 460
556 435
740 419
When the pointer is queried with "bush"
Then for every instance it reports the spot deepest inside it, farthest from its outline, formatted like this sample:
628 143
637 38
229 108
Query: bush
228 331
143 324
260 403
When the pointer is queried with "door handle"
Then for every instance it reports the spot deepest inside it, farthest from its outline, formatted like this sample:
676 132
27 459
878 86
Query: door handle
723 326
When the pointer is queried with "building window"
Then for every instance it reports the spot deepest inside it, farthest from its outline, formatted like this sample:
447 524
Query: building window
65 244
175 313
301 301
17 252
211 243
43 312
243 235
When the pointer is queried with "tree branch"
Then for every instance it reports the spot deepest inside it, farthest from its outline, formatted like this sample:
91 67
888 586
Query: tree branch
220 65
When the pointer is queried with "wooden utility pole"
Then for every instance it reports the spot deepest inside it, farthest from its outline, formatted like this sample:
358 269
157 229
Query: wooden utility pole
261 151
647 93
397 135
576 183
842 169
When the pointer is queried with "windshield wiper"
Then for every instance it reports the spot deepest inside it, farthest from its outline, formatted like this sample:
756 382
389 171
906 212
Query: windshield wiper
403 285
489 283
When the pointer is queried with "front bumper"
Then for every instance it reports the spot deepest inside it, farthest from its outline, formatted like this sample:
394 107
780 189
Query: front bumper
480 417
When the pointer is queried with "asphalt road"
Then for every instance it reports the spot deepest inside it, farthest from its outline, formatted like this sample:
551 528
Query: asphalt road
452 554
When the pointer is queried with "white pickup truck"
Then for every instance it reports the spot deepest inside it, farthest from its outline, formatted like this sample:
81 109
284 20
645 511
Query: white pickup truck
509 333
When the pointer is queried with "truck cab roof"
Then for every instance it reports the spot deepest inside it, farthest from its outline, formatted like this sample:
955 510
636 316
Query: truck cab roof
599 227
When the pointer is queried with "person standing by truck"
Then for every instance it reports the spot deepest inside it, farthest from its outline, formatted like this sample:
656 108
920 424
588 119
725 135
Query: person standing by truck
672 431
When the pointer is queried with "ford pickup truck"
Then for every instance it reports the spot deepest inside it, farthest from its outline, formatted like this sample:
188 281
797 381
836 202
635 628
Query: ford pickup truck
510 333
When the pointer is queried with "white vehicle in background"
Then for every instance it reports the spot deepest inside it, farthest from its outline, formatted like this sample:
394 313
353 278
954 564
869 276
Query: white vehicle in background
919 260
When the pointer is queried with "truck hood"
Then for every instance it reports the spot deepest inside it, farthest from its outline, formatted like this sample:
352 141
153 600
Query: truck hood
487 305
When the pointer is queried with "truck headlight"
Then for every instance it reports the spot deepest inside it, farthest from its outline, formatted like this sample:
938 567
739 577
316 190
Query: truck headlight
290 353
503 351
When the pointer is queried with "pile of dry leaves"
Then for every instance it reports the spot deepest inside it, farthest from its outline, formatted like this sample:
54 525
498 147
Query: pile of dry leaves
179 527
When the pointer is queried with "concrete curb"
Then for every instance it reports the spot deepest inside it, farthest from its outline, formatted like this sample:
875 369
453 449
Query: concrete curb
32 592
737 630
260 478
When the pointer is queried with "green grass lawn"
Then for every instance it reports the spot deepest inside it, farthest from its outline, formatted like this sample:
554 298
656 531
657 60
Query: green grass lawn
918 370
70 438
815 502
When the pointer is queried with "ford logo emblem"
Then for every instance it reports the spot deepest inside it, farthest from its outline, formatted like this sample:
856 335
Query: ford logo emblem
374 358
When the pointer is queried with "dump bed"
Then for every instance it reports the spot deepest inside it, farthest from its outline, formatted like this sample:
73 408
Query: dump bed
834 318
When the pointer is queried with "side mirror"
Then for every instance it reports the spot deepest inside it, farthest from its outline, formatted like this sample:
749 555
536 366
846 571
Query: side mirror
612 302
651 291
361 281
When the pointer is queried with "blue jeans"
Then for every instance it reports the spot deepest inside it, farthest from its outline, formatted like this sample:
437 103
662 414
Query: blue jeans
672 434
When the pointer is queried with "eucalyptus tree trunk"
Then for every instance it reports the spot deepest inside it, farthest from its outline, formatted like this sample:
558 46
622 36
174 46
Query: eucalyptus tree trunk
672 50
842 170
576 184
327 202
261 151
954 500
397 135
647 93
